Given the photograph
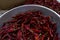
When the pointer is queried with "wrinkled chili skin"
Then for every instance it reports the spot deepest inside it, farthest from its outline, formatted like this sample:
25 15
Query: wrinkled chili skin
53 4
29 26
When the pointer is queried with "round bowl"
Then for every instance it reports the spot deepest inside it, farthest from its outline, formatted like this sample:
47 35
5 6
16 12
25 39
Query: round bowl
31 7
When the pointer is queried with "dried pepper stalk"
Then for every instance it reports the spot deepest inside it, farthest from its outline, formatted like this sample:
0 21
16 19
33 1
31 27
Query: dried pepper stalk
29 26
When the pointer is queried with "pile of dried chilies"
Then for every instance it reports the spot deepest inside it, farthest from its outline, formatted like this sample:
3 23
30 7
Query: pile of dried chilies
29 26
53 4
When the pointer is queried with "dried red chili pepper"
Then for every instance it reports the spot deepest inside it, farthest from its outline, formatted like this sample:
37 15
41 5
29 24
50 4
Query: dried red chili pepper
29 26
53 4
37 37
19 35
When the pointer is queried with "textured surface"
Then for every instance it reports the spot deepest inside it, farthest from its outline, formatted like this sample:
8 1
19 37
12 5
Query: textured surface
8 4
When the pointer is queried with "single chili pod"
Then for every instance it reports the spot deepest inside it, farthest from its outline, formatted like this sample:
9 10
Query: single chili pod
19 35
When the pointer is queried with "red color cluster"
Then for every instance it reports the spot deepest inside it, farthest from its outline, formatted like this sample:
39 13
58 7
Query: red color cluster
29 26
53 4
